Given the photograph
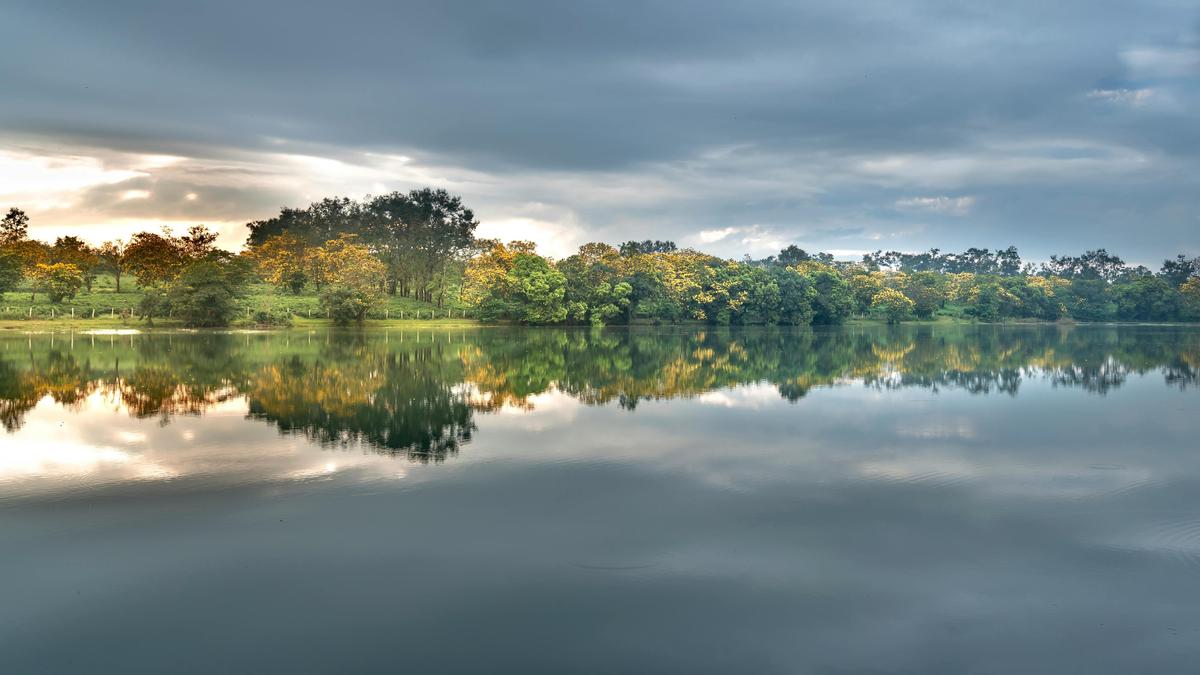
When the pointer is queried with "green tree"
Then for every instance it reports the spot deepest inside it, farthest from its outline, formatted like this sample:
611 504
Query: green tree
1146 298
346 304
59 281
893 305
77 252
927 290
14 227
834 300
539 290
154 259
205 294
10 271
112 258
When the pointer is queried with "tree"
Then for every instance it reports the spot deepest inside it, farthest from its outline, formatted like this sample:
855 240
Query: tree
75 251
346 262
864 286
205 294
834 301
321 221
58 281
14 227
512 282
796 295
538 290
792 255
1189 294
345 304
198 243
1146 298
10 271
1098 264
631 248
417 235
112 258
926 290
154 259
596 291
1178 271
892 304
283 260
153 303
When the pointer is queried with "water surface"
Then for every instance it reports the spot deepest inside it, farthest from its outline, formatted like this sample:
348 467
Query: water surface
929 499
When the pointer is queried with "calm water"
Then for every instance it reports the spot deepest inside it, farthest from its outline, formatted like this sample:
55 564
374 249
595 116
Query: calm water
907 500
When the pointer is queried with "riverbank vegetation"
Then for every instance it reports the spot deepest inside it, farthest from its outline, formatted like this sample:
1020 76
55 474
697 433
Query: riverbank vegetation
416 253
416 392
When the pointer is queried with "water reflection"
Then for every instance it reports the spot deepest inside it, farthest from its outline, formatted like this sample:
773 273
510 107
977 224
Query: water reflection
931 499
416 394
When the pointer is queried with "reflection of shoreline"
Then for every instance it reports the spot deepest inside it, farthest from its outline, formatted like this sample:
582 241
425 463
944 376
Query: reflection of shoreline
415 394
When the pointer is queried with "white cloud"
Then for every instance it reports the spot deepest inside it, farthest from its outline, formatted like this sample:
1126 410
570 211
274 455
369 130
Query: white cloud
712 236
1129 96
39 180
1162 61
1010 162
555 239
956 206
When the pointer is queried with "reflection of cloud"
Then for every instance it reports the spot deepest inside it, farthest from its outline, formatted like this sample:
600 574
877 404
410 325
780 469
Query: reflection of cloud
752 396
104 444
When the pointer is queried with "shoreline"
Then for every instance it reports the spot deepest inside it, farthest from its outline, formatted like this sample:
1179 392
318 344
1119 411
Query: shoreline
107 324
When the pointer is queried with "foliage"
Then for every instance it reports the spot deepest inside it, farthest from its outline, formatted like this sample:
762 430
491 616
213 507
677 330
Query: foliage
346 304
58 281
419 236
893 305
205 294
153 258
112 259
285 260
74 251
10 270
14 227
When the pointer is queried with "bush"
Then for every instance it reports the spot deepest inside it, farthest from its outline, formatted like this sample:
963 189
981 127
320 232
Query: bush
154 303
345 304
205 295
58 281
265 319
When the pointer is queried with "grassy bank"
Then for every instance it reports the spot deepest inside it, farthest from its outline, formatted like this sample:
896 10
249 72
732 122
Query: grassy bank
104 307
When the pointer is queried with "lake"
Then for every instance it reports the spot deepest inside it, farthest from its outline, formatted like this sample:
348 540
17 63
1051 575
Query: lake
867 499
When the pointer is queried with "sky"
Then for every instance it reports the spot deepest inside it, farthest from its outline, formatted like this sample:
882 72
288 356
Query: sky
735 128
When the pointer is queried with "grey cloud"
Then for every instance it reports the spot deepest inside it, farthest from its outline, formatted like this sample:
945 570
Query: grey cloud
798 94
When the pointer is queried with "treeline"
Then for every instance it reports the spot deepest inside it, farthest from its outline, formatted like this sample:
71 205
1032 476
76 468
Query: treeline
422 244
658 282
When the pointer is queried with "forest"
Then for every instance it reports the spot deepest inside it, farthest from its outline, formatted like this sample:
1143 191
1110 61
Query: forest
353 256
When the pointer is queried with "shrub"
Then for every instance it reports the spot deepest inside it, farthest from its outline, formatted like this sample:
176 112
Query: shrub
892 304
205 295
346 304
59 281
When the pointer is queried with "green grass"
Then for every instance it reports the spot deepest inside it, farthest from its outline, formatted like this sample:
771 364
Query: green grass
104 307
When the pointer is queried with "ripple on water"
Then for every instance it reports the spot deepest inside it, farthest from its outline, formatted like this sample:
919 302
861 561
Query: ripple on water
1177 540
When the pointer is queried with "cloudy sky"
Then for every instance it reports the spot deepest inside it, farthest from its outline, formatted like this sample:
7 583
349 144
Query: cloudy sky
732 127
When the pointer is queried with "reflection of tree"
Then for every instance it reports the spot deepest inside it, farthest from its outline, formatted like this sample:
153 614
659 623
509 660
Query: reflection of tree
417 398
396 402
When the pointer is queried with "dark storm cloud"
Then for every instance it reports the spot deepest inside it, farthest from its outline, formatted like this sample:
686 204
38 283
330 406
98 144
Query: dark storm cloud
810 121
